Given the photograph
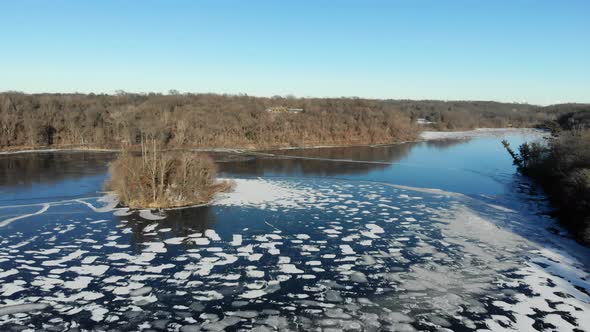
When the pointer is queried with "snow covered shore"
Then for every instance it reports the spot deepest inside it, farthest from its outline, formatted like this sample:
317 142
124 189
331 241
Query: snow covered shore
480 132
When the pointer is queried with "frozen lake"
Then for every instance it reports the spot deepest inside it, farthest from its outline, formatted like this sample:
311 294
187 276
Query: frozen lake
416 236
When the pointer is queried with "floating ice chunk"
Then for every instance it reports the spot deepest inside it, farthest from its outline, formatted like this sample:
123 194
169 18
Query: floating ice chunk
375 228
211 234
174 240
201 241
255 273
159 269
8 273
358 277
95 270
333 296
290 269
140 291
309 248
122 212
370 234
346 249
74 255
182 275
246 249
254 257
237 240
124 290
97 312
147 214
143 258
388 206
207 295
155 247
49 251
150 228
78 283
227 259
89 259
252 294
14 287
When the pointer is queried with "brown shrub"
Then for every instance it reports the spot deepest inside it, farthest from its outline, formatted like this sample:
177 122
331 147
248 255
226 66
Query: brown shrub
562 168
164 179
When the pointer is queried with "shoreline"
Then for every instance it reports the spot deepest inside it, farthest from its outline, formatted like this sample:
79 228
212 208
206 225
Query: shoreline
424 136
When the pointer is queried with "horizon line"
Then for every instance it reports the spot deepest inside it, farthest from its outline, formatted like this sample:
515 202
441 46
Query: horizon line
173 92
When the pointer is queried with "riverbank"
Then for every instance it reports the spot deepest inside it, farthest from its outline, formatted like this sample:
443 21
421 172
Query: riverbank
423 136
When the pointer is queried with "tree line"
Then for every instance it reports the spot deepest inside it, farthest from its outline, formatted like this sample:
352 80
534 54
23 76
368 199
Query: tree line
235 121
562 167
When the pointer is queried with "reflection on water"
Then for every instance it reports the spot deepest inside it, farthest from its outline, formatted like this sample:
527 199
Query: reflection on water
446 143
52 167
38 177
312 161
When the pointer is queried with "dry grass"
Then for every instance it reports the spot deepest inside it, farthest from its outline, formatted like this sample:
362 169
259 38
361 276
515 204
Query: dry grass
164 179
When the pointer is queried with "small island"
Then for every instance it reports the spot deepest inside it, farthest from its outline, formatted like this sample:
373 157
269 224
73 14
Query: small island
163 179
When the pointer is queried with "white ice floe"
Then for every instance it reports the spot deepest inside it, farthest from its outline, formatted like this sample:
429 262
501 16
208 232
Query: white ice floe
175 240
8 273
207 295
290 269
149 215
8 289
89 259
252 294
237 240
95 270
78 283
255 273
211 234
156 247
201 241
59 262
261 194
346 249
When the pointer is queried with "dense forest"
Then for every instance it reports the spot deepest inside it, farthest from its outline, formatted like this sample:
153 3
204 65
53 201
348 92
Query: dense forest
562 167
237 121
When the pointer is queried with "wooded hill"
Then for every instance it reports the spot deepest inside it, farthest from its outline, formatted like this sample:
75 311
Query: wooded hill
236 121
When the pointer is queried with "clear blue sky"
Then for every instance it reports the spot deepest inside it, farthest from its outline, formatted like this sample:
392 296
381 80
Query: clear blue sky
524 51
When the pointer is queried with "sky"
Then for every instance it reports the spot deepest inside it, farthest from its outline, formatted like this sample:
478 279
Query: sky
516 51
